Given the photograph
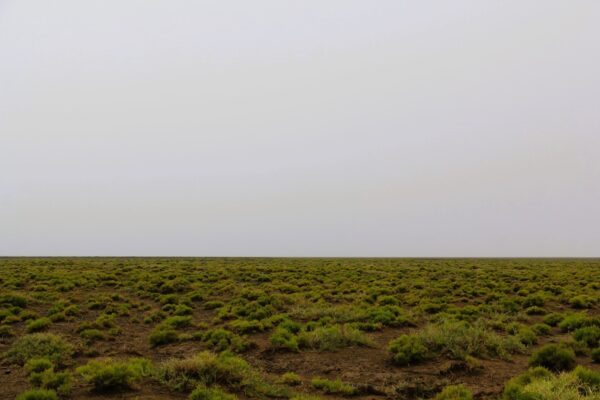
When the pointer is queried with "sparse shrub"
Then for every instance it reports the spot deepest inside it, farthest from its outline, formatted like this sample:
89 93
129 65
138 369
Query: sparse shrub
163 336
527 336
333 387
454 392
573 321
333 337
38 394
302 396
589 379
37 345
553 357
49 379
536 299
204 368
110 375
540 384
38 365
408 349
535 310
515 388
212 305
5 331
182 309
12 299
582 301
203 392
596 355
284 339
176 322
457 340
553 319
589 335
541 329
38 325
221 339
291 379
92 334
579 348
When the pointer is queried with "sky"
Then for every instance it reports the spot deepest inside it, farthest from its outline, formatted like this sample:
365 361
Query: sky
300 128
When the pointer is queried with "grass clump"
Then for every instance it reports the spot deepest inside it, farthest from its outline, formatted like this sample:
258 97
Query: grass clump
290 379
588 335
333 387
454 392
292 336
221 339
39 324
540 384
555 357
283 338
38 365
110 375
38 345
334 337
408 349
38 394
159 337
203 392
204 368
42 375
454 339
596 355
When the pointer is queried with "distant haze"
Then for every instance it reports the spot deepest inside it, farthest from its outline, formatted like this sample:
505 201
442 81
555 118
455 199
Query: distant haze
300 128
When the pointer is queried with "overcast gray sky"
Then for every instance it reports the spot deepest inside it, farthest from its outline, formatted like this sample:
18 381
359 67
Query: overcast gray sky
300 128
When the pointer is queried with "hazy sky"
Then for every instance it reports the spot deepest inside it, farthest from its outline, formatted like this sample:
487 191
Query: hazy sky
300 128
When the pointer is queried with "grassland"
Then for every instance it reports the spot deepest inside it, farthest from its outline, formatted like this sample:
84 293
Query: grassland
303 329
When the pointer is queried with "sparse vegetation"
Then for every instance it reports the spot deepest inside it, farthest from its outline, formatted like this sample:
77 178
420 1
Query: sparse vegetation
221 329
111 375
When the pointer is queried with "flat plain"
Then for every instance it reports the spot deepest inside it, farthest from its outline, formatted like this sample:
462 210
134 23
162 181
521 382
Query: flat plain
299 328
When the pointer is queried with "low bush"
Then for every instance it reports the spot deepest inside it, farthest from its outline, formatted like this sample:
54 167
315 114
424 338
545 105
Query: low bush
38 394
589 335
596 355
291 379
555 357
159 337
453 339
176 322
588 378
333 387
574 321
203 392
527 336
38 345
540 384
553 319
38 365
204 368
110 375
408 349
454 392
582 301
91 335
38 325
333 337
50 379
221 339
284 339
12 299
535 310
541 329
